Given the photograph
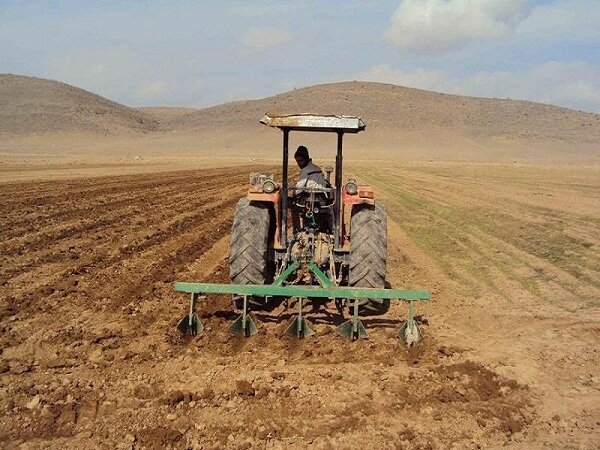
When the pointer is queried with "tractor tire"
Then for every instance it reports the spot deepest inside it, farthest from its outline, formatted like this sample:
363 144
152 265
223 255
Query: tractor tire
368 255
252 230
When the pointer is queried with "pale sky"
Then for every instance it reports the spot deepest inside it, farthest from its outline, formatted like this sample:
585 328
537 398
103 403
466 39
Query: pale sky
200 53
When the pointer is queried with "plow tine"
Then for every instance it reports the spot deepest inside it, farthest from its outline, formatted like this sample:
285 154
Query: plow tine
245 328
353 329
244 325
190 324
347 330
409 332
300 327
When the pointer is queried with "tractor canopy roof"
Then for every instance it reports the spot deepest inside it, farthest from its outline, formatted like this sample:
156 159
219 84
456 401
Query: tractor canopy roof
314 122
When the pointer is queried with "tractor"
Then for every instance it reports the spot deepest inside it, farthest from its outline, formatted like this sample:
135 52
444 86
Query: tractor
334 249
262 246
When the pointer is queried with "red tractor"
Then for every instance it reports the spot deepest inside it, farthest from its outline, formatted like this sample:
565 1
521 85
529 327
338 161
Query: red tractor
337 235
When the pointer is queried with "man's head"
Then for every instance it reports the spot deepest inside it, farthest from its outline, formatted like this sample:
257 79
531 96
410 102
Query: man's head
301 156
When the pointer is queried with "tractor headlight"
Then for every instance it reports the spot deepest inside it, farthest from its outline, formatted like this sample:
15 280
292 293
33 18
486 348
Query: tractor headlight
268 186
351 187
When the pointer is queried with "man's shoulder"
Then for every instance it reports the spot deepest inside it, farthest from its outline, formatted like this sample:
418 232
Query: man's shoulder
312 167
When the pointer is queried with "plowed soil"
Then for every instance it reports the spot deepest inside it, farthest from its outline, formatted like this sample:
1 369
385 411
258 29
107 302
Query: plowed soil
90 357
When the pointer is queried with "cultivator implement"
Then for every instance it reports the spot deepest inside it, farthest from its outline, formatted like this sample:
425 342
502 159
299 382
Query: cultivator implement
300 327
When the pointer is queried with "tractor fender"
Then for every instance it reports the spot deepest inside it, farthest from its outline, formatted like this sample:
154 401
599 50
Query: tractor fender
254 196
364 196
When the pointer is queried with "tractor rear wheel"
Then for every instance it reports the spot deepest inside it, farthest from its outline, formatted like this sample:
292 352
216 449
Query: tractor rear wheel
368 254
249 262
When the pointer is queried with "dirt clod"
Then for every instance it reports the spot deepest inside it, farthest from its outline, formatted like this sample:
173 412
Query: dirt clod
244 388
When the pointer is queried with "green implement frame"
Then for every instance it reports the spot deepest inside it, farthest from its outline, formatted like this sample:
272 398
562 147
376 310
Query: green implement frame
350 293
300 327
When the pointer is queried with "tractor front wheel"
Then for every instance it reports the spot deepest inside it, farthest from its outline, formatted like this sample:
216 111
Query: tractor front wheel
368 254
249 262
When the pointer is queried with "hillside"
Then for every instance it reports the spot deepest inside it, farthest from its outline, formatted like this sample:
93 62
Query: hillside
401 123
393 111
165 114
31 105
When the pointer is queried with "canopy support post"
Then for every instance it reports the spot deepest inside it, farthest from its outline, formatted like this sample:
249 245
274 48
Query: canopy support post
284 188
338 190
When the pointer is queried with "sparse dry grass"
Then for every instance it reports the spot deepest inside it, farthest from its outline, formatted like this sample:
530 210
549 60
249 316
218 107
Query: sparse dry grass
487 225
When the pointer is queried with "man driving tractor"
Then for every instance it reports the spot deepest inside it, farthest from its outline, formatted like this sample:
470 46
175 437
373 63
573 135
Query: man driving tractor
311 175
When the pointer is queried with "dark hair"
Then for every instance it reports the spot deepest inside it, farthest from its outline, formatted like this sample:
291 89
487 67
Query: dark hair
302 152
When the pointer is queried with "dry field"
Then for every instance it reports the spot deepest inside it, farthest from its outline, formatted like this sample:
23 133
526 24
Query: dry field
89 354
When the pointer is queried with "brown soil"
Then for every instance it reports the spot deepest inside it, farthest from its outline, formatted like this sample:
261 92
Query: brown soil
89 354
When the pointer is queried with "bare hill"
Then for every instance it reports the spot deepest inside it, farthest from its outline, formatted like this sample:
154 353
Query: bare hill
390 106
31 105
406 118
166 114
401 123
